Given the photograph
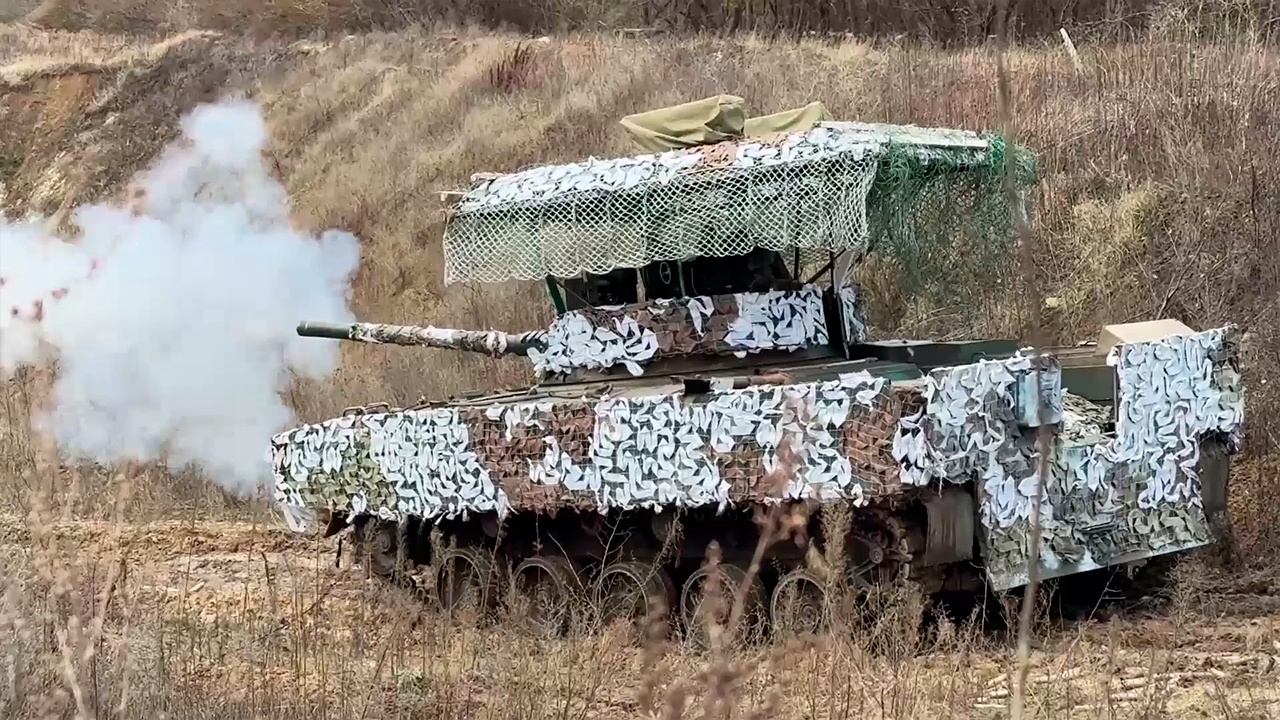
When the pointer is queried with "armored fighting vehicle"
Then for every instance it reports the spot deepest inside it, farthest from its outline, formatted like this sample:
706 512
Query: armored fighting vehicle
709 362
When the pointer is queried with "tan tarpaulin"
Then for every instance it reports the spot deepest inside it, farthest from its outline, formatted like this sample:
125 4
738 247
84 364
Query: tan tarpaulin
1138 332
804 118
712 120
694 123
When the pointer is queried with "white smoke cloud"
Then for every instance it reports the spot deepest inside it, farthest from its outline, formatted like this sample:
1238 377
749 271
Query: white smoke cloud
172 320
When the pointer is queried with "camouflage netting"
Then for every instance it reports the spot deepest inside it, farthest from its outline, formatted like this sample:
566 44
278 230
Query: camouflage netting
1131 495
653 451
924 196
934 211
738 324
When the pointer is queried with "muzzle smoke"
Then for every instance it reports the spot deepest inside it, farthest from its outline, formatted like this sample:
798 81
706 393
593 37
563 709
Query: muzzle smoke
172 319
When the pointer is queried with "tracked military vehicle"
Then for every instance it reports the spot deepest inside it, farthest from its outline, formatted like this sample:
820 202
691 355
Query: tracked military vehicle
709 359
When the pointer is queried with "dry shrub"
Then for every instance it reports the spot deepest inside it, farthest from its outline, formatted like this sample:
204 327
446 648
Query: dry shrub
1255 485
1199 20
119 621
1108 241
515 71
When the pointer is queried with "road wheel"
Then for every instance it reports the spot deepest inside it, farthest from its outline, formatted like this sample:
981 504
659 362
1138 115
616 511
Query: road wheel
467 580
696 615
548 587
798 606
633 591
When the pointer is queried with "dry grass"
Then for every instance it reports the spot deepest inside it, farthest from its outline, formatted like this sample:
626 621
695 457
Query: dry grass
215 620
1161 196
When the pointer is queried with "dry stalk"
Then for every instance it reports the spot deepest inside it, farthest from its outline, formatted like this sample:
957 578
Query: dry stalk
774 523
1032 302
653 650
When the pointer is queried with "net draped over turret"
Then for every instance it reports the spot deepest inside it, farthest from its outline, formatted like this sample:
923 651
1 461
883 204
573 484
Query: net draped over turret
710 356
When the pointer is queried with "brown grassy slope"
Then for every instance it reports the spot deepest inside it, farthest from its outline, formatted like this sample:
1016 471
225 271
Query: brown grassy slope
1161 194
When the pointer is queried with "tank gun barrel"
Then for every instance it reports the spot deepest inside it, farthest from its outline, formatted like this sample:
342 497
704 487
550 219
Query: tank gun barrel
489 342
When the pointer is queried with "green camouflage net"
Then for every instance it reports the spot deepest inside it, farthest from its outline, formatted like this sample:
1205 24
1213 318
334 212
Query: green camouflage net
944 218
929 198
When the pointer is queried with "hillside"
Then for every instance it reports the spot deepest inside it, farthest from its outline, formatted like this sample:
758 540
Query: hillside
1159 193
941 21
135 591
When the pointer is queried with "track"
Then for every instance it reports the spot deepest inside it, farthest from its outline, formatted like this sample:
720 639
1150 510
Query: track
556 573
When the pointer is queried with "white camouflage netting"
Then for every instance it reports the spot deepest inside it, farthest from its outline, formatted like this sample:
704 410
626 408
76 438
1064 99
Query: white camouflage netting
1170 394
777 320
658 452
805 189
646 452
1144 479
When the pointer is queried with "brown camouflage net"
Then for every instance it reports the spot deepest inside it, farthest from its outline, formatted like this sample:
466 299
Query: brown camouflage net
510 452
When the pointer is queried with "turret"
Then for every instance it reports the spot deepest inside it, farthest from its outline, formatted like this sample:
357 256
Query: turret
727 239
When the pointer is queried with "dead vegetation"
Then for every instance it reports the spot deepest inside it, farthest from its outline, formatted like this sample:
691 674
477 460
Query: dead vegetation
941 21
218 620
1160 196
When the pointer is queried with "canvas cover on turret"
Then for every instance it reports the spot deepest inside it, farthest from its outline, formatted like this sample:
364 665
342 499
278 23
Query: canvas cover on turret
712 120
700 122
801 118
